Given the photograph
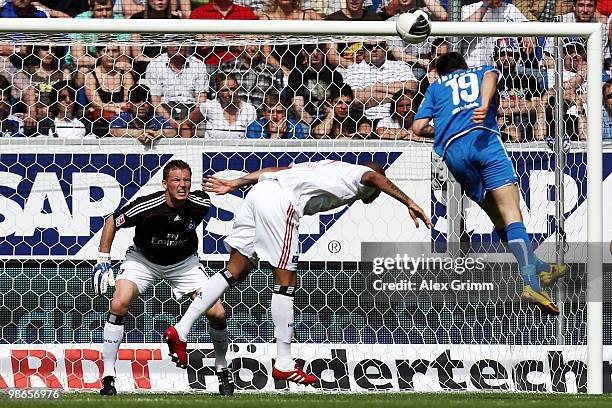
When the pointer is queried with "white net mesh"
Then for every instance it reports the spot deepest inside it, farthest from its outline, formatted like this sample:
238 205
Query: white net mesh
67 97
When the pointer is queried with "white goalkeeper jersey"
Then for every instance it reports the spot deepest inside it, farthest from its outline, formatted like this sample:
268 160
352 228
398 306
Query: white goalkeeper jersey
323 185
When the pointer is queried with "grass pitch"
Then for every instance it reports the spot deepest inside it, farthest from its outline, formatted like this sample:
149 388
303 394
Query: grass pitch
324 400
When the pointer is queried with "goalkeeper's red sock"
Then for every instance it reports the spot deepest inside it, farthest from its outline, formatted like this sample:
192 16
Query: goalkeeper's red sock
282 316
113 335
212 289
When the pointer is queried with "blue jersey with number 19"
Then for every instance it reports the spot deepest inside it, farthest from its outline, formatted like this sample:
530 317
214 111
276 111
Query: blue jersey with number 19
450 102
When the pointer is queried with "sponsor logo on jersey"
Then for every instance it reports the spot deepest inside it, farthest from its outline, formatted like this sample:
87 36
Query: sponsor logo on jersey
177 218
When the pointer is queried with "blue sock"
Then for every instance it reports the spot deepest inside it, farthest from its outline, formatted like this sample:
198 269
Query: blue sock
520 245
541 266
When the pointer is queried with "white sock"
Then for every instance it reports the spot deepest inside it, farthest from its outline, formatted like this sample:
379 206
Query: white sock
282 316
210 293
113 335
219 341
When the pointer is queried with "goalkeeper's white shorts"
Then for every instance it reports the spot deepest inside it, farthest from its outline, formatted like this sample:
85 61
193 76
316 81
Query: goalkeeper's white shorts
266 227
184 277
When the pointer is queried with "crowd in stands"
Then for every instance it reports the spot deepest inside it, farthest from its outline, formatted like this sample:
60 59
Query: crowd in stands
363 90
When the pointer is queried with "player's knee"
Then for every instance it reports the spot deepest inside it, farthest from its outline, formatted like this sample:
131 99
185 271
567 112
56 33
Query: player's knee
216 314
119 306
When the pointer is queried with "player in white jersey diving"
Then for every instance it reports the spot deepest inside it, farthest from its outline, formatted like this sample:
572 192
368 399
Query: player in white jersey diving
266 229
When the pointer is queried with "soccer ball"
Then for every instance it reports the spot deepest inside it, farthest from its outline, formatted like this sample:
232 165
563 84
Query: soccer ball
414 26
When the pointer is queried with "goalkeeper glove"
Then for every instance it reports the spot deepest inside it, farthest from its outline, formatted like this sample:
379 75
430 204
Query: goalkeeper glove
103 275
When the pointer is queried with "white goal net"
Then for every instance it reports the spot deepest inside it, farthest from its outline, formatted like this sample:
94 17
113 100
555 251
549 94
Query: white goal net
89 120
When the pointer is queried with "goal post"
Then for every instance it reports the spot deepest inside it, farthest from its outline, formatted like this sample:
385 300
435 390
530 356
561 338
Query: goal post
262 29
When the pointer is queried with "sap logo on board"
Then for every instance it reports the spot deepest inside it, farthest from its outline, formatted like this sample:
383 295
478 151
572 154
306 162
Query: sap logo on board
52 204
232 164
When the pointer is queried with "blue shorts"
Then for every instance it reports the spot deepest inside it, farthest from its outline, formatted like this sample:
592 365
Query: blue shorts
479 162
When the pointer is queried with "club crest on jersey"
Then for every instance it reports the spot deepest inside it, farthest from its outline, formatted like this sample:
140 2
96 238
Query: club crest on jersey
191 225
120 220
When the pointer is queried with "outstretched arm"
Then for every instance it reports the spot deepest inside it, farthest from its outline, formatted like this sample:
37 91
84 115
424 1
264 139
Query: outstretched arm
219 186
382 183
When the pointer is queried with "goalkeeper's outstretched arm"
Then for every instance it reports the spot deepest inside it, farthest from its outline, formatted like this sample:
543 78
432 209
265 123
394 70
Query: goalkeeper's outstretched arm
216 185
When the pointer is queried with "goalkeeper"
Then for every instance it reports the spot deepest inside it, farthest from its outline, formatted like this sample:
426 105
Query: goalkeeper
165 246
266 228
463 106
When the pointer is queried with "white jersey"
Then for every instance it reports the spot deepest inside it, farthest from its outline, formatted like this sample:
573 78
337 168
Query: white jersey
323 185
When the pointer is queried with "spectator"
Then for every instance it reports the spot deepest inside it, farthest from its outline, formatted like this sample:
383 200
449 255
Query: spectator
529 62
574 89
354 11
160 9
340 120
399 123
65 120
220 10
277 125
62 8
107 85
344 54
309 87
521 110
583 11
439 47
10 125
258 6
543 10
127 8
604 7
44 70
256 77
327 7
376 78
21 9
607 111
21 90
227 116
607 70
139 120
178 84
84 57
393 8
285 55
156 9
480 50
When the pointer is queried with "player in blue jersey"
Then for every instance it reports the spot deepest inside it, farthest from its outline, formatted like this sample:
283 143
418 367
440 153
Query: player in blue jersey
463 105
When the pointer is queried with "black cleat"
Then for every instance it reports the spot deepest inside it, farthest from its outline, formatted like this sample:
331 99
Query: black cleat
226 381
108 386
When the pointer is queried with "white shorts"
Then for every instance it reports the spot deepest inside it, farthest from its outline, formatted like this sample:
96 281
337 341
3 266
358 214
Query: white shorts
266 227
184 277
